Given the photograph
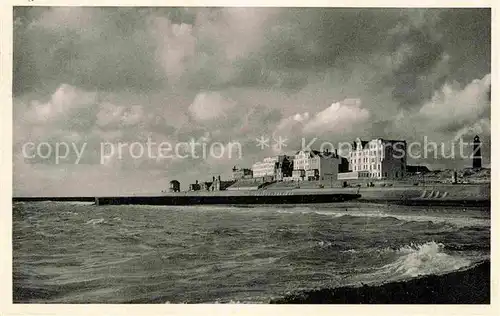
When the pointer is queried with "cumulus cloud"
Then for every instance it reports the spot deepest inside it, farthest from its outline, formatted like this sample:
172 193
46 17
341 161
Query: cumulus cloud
208 106
62 104
133 116
343 116
340 117
109 115
292 125
342 120
61 18
480 127
176 44
452 107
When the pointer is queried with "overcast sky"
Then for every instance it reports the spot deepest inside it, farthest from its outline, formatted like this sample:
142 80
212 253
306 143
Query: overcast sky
92 75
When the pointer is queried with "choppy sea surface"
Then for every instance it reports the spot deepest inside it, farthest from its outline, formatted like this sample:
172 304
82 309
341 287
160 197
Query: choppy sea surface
80 253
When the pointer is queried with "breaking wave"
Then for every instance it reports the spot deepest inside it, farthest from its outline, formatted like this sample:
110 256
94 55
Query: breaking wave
418 259
428 258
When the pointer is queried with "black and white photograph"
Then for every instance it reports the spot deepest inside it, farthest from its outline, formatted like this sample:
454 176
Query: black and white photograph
251 155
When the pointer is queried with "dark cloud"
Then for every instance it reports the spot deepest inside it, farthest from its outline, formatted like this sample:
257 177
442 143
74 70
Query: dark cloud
112 52
409 87
254 73
116 52
466 37
458 38
319 37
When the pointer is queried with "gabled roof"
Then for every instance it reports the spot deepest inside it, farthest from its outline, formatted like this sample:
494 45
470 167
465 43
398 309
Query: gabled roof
314 153
363 143
225 184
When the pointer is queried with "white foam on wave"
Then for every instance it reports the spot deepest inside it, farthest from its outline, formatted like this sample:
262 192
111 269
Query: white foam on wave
457 221
416 260
78 203
424 259
95 221
65 202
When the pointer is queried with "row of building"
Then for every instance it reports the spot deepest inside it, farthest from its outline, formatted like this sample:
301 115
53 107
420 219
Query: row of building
375 159
215 185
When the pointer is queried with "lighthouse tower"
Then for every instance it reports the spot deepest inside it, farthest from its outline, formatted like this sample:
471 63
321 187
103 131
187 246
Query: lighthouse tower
476 157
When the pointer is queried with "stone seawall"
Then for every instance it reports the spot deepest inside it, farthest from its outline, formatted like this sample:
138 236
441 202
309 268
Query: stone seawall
463 194
469 286
229 199
442 194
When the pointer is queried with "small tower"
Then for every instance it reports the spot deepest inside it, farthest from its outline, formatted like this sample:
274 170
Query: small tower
454 177
476 155
175 186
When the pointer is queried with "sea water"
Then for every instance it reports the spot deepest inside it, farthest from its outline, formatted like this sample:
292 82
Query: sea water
81 253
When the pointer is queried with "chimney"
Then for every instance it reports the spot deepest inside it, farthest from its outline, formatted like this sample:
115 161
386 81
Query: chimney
213 179
218 178
196 182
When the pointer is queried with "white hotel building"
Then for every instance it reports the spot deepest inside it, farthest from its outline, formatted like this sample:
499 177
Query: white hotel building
266 167
277 167
376 159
